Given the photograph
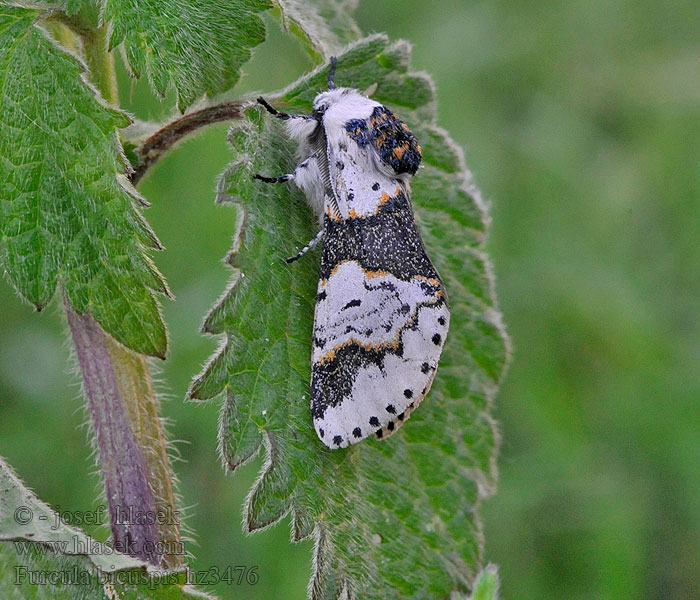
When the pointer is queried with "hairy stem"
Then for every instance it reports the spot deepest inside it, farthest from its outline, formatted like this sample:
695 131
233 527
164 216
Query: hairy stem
100 63
130 444
123 406
165 138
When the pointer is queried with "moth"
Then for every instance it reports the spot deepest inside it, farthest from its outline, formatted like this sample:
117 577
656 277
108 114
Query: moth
381 315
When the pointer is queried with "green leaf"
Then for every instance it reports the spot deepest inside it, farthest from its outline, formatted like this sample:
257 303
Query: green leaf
67 212
199 47
324 25
73 6
35 543
487 584
395 518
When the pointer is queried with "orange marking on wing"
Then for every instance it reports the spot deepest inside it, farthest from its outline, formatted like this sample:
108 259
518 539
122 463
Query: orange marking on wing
371 274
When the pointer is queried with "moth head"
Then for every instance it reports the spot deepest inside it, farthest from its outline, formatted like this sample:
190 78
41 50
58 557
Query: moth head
325 100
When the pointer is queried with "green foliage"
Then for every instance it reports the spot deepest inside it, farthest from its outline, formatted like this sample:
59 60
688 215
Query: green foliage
486 585
198 47
324 25
67 213
391 519
35 543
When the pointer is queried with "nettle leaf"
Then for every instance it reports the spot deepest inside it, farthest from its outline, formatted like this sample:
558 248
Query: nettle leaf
43 558
67 211
486 585
324 25
199 47
71 7
395 518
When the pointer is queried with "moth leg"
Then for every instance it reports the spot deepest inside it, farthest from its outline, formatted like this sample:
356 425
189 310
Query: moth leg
273 111
282 115
286 177
317 238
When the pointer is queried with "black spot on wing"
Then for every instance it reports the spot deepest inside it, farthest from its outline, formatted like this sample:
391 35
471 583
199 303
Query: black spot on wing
355 302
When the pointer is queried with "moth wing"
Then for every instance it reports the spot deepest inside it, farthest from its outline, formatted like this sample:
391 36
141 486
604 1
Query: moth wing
381 318
377 343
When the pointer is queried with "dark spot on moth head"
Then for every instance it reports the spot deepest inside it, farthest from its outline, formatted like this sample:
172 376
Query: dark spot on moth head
436 338
380 433
357 432
390 426
321 432
374 422
375 186
441 320
391 409
355 302
337 440
351 197
425 367
408 393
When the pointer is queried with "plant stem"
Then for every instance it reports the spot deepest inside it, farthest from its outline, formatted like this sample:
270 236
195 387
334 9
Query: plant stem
130 443
165 138
123 405
100 63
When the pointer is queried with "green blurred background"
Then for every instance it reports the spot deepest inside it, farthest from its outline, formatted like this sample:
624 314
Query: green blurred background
581 123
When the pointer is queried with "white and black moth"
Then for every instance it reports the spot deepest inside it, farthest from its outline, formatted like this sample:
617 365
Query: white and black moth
381 315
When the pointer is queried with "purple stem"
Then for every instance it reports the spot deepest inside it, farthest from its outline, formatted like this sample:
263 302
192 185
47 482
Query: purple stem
165 138
121 459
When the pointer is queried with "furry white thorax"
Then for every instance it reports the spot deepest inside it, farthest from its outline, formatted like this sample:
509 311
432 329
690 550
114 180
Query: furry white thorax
343 104
337 107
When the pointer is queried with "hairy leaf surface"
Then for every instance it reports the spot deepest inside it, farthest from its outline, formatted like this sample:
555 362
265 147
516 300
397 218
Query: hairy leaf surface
395 518
67 212
199 47
35 545
325 25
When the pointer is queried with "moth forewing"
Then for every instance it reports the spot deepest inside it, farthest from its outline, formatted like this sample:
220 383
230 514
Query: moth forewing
381 316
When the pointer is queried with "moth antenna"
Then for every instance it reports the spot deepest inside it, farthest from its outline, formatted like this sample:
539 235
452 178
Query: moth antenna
331 73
